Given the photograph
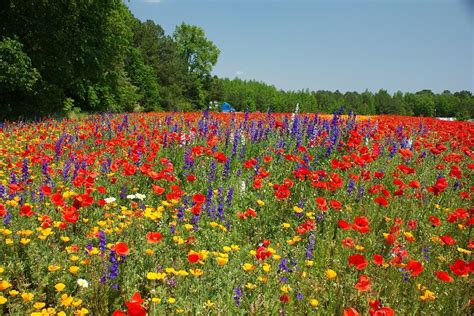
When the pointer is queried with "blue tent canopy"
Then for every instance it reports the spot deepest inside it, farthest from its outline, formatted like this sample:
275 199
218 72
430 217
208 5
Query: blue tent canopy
226 107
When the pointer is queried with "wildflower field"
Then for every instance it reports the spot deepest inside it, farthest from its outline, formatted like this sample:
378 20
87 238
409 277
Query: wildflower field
246 213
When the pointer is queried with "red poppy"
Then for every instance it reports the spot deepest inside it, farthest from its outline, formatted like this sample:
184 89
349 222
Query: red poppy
46 190
456 172
196 209
406 153
361 224
350 312
288 183
14 187
134 306
379 174
102 189
384 311
322 203
412 224
381 201
199 198
121 248
405 169
336 205
363 284
378 260
250 163
267 159
70 215
57 199
153 237
262 253
82 200
444 276
157 189
193 257
3 210
220 157
414 184
136 299
191 178
343 225
285 298
26 210
447 240
129 169
281 191
348 242
460 268
257 184
439 187
375 305
250 212
358 261
434 221
46 221
414 267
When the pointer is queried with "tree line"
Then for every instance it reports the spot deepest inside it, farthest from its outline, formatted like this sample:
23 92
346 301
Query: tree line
254 95
60 57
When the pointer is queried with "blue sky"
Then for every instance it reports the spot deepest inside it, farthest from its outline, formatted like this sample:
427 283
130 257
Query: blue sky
349 45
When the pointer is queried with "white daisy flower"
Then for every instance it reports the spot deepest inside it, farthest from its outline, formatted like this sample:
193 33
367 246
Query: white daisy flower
82 283
140 196
110 200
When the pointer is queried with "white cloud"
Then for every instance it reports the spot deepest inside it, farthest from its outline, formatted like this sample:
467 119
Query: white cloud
239 73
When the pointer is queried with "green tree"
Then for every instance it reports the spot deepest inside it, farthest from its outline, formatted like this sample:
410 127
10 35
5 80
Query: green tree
424 104
17 78
465 108
384 103
367 106
143 77
200 53
16 71
78 47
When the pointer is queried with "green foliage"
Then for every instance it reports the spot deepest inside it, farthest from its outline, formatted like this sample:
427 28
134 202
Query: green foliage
18 78
240 93
384 103
424 105
78 49
199 52
143 77
462 115
16 71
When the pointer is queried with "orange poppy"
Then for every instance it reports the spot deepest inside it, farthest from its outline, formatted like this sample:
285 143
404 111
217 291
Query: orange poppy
121 249
153 237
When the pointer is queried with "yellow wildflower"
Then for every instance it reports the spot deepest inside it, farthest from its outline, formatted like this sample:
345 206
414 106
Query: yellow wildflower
330 274
248 267
74 269
59 287
39 305
4 285
27 297
428 296
314 302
